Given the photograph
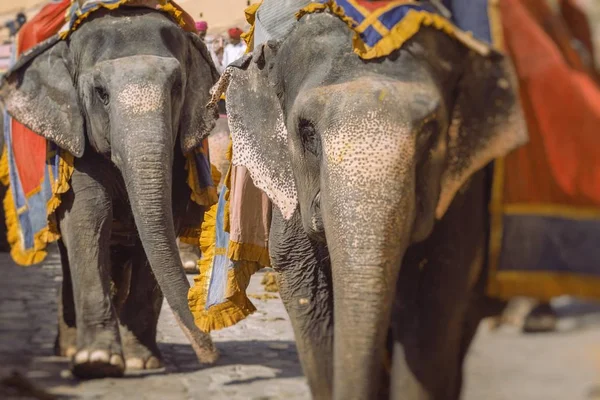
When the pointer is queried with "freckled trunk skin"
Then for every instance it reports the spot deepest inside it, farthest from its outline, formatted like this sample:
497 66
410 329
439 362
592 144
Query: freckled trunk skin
147 171
368 205
365 257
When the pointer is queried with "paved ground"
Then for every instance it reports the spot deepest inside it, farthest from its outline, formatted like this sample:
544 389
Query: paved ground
258 357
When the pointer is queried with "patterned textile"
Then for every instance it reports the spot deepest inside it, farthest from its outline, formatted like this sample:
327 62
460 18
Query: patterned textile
77 13
546 195
218 297
38 172
383 27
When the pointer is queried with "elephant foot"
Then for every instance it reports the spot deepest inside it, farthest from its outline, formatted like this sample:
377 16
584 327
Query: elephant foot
66 342
94 363
541 319
189 255
138 357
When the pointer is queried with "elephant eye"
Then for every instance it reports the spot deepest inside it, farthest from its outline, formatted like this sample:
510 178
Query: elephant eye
102 94
309 137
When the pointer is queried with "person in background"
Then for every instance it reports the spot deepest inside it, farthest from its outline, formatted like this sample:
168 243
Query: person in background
16 24
215 45
202 28
236 47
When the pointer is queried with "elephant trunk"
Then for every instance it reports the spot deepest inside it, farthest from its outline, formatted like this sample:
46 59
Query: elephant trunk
368 215
146 161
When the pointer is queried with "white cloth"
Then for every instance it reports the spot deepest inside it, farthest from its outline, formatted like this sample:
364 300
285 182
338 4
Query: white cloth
215 60
233 52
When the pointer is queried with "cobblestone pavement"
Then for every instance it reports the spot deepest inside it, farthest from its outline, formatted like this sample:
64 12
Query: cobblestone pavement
258 357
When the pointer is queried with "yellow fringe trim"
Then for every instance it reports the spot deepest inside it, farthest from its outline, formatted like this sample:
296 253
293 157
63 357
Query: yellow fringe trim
227 183
208 238
59 187
543 286
165 6
248 252
552 210
248 37
399 34
4 174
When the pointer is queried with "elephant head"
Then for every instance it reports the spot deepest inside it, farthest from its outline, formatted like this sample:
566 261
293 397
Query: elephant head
131 85
371 153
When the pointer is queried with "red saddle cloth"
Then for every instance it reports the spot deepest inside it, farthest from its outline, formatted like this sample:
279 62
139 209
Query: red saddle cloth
28 148
546 196
561 100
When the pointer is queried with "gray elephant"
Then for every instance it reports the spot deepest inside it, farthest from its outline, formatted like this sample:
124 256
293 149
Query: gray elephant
376 171
124 94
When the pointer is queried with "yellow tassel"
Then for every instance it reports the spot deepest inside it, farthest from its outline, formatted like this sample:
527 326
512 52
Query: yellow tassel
4 174
248 37
21 256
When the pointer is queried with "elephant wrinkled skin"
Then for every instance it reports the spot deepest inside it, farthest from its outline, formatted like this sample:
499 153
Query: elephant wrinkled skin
380 221
125 94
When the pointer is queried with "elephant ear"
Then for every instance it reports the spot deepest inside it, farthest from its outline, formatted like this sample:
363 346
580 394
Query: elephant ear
38 91
196 121
487 122
258 132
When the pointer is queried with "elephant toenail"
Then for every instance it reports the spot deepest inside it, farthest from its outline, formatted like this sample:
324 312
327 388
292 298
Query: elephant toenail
116 360
134 363
153 363
82 357
99 355
70 352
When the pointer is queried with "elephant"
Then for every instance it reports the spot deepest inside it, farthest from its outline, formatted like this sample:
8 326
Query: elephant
125 95
378 174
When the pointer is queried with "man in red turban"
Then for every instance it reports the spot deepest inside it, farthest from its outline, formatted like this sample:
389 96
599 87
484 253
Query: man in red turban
236 47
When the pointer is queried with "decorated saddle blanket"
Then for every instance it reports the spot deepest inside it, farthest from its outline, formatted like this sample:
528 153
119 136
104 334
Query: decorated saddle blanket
546 195
38 172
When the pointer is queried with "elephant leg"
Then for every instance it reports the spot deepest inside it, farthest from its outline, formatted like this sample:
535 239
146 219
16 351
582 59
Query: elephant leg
443 271
138 315
305 287
66 338
85 218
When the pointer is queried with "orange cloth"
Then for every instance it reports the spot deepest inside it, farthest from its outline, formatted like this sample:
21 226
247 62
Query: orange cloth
560 165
